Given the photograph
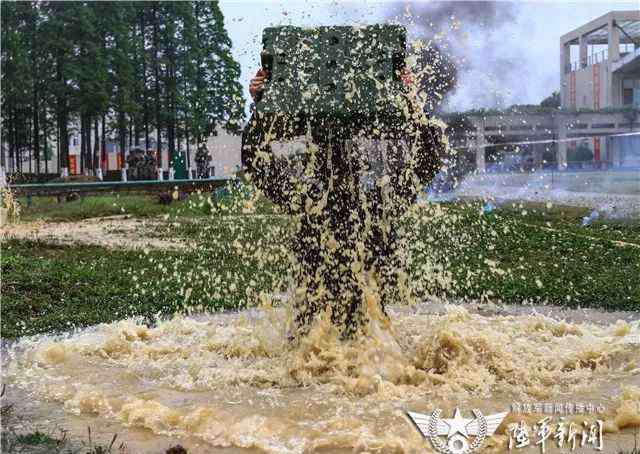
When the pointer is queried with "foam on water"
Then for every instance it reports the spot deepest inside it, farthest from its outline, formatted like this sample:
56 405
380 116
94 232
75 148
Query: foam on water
235 381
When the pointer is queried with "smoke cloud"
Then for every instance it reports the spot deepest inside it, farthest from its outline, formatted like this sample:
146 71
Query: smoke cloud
485 41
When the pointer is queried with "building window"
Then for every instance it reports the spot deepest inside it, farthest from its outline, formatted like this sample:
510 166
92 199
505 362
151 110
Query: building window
75 141
627 96
631 92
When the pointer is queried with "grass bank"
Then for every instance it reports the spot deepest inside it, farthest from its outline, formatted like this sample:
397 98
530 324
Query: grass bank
515 254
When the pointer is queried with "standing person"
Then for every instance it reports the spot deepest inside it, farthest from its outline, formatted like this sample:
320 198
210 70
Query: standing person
348 224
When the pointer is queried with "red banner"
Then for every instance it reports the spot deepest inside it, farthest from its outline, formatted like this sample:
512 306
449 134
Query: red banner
73 165
596 149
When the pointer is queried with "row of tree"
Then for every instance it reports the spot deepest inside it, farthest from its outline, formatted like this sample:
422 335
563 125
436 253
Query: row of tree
120 69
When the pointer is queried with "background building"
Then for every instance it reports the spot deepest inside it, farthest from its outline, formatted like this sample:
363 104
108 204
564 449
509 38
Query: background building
596 125
600 63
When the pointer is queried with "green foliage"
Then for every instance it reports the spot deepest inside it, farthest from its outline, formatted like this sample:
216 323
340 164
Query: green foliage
538 255
137 67
53 442
553 100
47 287
515 254
36 438
48 209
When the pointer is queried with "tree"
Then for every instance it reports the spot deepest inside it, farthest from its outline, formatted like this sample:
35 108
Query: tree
59 21
552 100
123 67
214 95
17 80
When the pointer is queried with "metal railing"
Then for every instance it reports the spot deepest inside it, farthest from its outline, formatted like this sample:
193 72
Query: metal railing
595 58
110 186
598 57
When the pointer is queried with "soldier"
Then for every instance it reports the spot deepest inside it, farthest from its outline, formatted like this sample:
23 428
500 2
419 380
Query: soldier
349 211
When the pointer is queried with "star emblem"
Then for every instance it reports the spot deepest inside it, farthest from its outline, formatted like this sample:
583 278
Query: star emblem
457 424
456 429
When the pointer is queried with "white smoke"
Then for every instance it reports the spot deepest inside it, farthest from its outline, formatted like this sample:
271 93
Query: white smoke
506 52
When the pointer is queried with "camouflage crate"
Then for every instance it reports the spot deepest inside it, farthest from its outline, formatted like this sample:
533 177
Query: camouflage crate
338 71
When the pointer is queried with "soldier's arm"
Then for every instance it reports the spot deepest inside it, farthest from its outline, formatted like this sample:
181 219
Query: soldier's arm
269 173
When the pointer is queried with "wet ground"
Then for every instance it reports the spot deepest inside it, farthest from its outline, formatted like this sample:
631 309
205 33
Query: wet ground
232 382
118 232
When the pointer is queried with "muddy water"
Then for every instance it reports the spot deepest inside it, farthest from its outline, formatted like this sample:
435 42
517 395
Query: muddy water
233 383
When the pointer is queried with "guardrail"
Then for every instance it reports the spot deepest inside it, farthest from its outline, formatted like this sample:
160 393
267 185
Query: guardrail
96 187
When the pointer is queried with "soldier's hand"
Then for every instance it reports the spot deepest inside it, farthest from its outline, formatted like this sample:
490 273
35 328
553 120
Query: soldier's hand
257 83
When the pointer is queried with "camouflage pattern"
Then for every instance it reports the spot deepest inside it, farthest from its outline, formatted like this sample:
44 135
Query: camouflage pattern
333 71
347 204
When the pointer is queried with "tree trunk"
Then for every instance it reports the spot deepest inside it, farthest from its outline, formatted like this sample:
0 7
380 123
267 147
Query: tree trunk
145 111
36 129
186 136
157 85
58 146
83 144
171 130
87 133
18 152
136 138
122 128
63 118
144 87
46 143
130 133
97 161
12 127
103 144
64 137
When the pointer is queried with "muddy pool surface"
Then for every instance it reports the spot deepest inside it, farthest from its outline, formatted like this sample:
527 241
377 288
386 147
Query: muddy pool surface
232 382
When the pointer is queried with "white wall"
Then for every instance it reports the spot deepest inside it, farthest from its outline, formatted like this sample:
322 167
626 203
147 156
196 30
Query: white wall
225 152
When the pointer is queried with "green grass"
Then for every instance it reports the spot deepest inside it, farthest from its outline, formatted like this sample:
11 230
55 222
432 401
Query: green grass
36 438
569 220
48 209
38 442
516 254
48 287
539 257
139 205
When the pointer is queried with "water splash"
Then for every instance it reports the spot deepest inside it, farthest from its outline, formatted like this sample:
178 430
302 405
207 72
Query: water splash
235 381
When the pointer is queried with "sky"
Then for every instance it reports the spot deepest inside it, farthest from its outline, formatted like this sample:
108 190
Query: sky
512 60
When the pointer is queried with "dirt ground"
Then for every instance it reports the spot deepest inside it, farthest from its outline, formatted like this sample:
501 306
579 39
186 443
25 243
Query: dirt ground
115 232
